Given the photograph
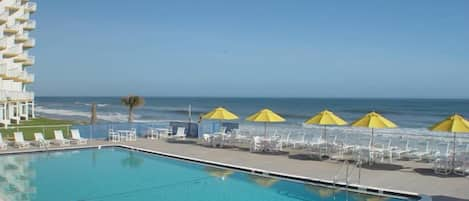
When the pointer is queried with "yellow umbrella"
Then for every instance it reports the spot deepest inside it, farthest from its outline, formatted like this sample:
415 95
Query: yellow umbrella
220 113
265 116
453 124
326 118
373 120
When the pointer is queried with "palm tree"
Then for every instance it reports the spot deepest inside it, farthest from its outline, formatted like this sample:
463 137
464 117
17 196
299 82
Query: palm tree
93 114
132 102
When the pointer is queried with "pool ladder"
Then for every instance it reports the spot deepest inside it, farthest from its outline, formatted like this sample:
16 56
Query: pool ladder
349 173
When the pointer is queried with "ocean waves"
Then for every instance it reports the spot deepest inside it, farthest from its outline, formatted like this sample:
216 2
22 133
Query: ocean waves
82 115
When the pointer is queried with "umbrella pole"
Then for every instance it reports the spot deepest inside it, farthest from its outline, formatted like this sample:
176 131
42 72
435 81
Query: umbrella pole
325 139
222 134
372 143
265 129
454 150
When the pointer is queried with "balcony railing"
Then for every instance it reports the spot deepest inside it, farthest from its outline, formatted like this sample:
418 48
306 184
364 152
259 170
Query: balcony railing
12 74
4 17
14 28
12 51
30 43
3 43
21 37
29 25
21 57
25 77
23 17
30 6
30 61
16 95
15 5
9 71
3 69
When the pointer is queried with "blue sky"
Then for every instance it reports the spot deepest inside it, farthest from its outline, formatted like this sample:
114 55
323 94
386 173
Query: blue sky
247 48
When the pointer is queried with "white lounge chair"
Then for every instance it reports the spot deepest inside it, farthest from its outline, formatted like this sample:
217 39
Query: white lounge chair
180 133
59 139
19 140
76 138
3 145
40 141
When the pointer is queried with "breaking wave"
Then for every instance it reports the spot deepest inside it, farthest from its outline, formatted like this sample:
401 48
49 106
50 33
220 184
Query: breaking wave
106 116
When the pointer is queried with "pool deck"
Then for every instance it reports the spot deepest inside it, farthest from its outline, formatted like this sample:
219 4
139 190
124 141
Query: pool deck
403 175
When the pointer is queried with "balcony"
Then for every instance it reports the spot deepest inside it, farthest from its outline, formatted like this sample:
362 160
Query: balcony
30 6
29 61
9 73
21 37
25 77
12 51
12 74
4 17
16 5
30 43
24 17
21 58
11 29
3 70
16 95
3 43
29 25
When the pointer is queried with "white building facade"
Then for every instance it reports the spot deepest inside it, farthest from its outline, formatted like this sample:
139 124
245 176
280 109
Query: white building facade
16 101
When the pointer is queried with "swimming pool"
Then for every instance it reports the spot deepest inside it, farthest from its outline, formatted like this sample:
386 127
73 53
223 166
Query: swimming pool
121 174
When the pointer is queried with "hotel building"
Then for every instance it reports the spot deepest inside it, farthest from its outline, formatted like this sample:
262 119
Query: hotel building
16 101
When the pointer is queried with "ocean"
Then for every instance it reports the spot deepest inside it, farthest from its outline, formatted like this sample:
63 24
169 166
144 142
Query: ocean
407 113
413 116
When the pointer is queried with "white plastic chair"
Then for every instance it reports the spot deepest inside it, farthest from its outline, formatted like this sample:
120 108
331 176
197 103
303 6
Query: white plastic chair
113 136
19 140
256 144
442 166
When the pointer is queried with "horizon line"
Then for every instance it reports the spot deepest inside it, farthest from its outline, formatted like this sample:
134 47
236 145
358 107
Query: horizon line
251 97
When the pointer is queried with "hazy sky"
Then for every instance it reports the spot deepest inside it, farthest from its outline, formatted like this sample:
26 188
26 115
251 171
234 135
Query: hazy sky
275 48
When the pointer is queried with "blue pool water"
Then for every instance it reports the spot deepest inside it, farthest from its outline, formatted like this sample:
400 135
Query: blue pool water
119 174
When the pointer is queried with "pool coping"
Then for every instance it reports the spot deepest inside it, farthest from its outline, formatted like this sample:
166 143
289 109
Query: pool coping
296 178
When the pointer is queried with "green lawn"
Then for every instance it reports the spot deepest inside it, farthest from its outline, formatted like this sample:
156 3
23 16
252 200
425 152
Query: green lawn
43 125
